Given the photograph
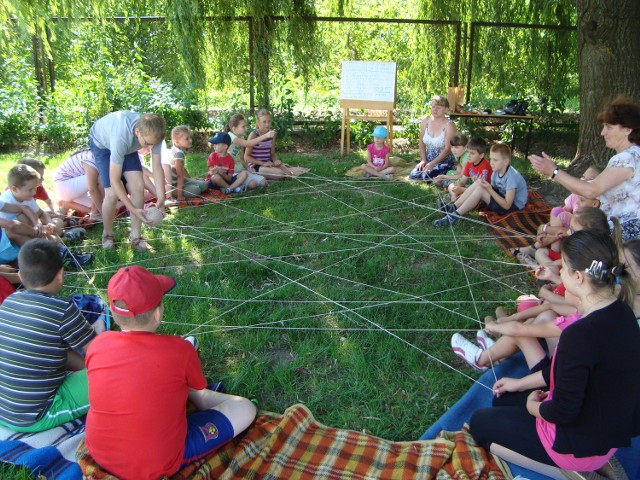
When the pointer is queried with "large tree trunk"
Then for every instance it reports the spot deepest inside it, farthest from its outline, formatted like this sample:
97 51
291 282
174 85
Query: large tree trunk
608 65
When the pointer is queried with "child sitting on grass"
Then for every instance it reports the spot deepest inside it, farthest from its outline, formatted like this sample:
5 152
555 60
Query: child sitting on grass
506 193
221 167
41 192
515 336
262 157
237 130
40 334
140 429
179 183
23 183
476 168
378 156
451 179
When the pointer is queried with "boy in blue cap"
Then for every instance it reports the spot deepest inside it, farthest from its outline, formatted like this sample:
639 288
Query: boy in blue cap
221 165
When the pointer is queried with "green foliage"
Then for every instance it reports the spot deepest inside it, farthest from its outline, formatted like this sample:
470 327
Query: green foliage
323 130
189 63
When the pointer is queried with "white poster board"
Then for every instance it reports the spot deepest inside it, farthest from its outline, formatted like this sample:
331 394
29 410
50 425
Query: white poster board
368 81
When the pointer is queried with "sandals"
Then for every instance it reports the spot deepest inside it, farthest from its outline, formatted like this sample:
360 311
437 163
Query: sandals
140 245
108 241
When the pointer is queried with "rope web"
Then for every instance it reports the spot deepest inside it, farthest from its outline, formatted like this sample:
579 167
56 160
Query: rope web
362 257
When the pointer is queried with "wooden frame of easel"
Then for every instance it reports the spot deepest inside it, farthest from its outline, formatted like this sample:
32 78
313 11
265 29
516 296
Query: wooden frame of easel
347 116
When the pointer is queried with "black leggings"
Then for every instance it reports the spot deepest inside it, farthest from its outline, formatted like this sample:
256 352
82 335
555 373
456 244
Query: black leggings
508 423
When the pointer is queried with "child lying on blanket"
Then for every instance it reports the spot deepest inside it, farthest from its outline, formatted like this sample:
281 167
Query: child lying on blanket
38 331
140 381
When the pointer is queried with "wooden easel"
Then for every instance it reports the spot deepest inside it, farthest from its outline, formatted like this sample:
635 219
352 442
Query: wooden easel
347 116
367 86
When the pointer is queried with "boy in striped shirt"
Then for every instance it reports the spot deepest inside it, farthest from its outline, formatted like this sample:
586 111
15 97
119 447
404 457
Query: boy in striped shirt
40 336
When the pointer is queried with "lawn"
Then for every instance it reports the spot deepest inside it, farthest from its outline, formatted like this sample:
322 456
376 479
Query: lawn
324 290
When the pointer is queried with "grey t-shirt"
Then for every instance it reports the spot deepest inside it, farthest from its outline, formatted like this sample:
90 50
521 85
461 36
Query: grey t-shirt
510 180
115 132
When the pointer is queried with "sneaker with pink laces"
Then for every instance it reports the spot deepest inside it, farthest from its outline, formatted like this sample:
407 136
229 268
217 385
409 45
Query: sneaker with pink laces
467 351
483 340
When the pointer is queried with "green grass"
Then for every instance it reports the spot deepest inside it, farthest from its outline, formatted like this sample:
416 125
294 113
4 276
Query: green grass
292 292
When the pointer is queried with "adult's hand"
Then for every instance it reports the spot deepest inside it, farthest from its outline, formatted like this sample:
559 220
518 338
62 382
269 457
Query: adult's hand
139 214
543 164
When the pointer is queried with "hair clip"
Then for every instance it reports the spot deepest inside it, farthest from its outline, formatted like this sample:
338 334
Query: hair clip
597 270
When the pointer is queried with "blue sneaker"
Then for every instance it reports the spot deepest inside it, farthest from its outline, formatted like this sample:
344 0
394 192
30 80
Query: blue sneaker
445 207
75 260
447 220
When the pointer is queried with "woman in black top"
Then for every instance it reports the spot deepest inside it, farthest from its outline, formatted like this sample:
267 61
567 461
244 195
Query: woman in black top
590 404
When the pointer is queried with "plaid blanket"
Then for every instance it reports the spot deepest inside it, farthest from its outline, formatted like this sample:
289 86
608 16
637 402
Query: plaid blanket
295 446
518 229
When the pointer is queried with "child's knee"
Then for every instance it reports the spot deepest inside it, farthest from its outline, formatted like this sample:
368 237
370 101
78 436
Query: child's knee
252 184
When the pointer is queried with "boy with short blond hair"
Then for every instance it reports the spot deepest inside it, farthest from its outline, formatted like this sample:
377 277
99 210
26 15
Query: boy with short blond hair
179 182
23 183
41 192
506 193
115 140
40 334
140 429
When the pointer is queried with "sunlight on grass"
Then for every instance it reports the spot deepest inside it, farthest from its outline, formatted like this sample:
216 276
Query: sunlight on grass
293 291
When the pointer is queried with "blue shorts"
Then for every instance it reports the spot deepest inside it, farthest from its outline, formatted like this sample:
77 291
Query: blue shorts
103 162
207 431
8 249
495 206
213 186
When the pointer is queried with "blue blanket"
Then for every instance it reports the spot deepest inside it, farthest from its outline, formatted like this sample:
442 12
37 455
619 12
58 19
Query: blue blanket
51 453
479 397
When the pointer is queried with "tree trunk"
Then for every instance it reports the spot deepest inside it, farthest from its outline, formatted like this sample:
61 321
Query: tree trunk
608 65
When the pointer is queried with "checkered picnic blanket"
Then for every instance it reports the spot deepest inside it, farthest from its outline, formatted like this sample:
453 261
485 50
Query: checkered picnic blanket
518 229
296 446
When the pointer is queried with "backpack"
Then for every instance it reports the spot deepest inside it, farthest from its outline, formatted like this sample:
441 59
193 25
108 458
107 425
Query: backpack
516 107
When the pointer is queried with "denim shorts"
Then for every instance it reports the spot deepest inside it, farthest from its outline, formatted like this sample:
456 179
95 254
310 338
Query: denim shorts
103 163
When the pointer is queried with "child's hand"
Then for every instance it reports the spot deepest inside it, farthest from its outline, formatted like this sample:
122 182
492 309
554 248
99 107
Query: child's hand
271 133
277 163
49 229
505 385
537 396
543 273
484 184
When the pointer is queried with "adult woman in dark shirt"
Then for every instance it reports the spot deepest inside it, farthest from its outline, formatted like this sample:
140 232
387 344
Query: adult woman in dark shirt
591 402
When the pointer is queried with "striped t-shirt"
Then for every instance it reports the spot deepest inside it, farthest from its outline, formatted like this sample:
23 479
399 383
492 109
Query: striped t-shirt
262 151
72 166
36 329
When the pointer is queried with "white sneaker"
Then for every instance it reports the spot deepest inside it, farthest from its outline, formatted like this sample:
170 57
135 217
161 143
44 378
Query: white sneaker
467 351
193 341
483 339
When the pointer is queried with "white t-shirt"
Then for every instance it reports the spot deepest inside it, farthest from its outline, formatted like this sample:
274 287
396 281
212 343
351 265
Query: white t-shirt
7 197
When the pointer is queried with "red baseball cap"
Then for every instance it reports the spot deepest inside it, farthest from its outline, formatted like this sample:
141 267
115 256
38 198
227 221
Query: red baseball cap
138 288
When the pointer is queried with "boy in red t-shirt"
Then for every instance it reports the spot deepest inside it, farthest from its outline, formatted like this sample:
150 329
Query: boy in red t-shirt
476 168
221 166
139 382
